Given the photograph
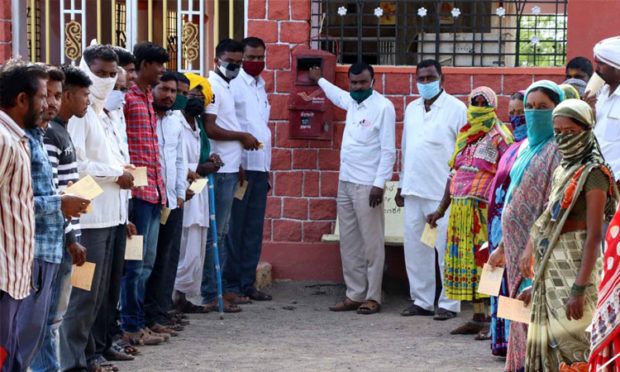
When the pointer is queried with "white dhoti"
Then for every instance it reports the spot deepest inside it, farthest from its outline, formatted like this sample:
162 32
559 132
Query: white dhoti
191 259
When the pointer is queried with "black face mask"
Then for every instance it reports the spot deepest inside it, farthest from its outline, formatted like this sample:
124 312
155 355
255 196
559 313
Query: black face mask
195 106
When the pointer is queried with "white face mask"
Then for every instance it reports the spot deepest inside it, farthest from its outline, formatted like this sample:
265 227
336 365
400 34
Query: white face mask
115 101
100 89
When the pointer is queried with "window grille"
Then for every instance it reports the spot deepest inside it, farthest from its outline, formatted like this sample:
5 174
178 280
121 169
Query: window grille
466 33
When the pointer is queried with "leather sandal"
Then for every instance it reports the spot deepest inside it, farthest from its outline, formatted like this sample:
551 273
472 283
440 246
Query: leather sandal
415 310
346 305
369 307
236 300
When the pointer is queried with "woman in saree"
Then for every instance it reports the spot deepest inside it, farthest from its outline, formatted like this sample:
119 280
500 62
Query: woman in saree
605 339
565 242
530 186
500 326
479 146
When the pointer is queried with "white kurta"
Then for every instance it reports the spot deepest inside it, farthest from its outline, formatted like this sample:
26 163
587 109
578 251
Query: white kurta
195 223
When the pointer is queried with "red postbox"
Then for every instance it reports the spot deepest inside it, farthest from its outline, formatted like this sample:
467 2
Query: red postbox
310 112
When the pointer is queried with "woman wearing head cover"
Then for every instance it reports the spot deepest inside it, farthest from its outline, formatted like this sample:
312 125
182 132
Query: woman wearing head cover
529 188
479 146
566 241
500 326
605 339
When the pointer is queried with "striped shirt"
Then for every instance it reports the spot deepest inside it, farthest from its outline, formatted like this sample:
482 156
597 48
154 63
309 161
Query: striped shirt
48 217
61 153
143 147
16 210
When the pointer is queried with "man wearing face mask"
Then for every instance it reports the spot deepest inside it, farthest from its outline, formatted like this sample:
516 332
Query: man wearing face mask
22 99
160 284
248 214
228 139
105 329
61 152
147 201
103 228
366 162
196 245
432 123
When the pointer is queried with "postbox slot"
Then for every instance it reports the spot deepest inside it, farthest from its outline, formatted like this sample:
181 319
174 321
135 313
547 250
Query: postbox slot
303 65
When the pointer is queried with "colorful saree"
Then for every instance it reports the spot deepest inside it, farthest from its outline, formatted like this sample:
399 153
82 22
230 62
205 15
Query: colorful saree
605 339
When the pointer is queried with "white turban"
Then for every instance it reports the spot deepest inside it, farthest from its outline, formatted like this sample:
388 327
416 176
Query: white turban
608 51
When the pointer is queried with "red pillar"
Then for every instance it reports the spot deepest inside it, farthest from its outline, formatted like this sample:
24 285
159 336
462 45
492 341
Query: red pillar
590 21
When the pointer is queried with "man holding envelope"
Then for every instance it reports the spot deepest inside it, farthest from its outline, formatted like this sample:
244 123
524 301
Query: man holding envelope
607 129
103 228
431 126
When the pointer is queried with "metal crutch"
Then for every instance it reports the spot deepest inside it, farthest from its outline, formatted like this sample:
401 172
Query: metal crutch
218 271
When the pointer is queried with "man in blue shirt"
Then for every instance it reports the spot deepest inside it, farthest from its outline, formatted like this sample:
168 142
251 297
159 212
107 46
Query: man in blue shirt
50 211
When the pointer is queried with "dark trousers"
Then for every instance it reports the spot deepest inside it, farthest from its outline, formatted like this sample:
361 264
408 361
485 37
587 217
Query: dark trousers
9 309
246 235
22 322
159 286
84 305
106 326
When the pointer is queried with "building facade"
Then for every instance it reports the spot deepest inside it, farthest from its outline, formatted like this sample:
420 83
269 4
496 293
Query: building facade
478 45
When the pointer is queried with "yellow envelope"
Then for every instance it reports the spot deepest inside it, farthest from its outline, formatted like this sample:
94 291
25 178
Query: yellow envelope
240 193
86 188
198 185
513 309
134 247
429 236
594 84
490 281
139 176
82 276
165 213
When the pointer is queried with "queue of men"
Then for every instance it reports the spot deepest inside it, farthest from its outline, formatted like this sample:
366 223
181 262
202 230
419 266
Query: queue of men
115 115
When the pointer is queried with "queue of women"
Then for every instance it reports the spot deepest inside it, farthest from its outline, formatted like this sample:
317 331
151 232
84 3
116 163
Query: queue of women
540 195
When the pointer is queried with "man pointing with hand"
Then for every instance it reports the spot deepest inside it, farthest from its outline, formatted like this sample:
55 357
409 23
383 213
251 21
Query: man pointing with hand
366 161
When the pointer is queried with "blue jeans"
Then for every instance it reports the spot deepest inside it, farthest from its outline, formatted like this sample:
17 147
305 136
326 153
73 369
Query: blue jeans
224 187
145 216
47 358
246 235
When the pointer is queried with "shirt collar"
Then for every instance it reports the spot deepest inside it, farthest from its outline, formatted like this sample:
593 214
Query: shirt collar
438 102
12 126
251 80
366 103
217 78
61 121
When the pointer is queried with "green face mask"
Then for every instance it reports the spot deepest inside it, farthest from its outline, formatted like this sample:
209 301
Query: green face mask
360 95
180 102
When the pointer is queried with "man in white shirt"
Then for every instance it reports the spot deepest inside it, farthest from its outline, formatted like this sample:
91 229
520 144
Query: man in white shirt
366 162
248 214
103 228
160 284
228 141
432 123
607 129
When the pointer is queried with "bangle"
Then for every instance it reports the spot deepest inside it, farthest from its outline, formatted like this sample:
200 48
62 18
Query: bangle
578 290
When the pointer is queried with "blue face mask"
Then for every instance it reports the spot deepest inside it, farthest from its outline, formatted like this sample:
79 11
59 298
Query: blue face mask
429 90
519 127
539 125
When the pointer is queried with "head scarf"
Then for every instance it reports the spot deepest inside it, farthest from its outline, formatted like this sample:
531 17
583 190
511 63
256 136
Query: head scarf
196 80
537 135
480 120
582 147
569 91
578 84
608 51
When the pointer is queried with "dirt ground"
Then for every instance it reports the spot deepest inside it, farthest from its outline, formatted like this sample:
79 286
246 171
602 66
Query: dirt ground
296 332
